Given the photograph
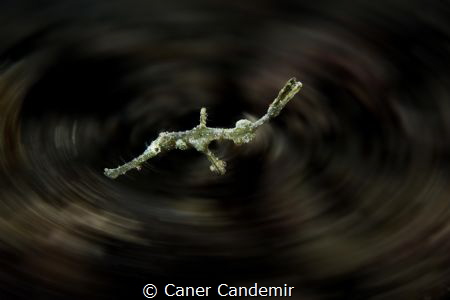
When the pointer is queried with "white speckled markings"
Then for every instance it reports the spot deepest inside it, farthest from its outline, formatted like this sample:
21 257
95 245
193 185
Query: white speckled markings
201 135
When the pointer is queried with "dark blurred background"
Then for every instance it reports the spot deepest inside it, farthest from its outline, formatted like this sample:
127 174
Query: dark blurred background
345 195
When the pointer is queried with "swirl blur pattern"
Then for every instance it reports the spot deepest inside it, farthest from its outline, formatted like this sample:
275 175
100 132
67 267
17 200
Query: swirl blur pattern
345 195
